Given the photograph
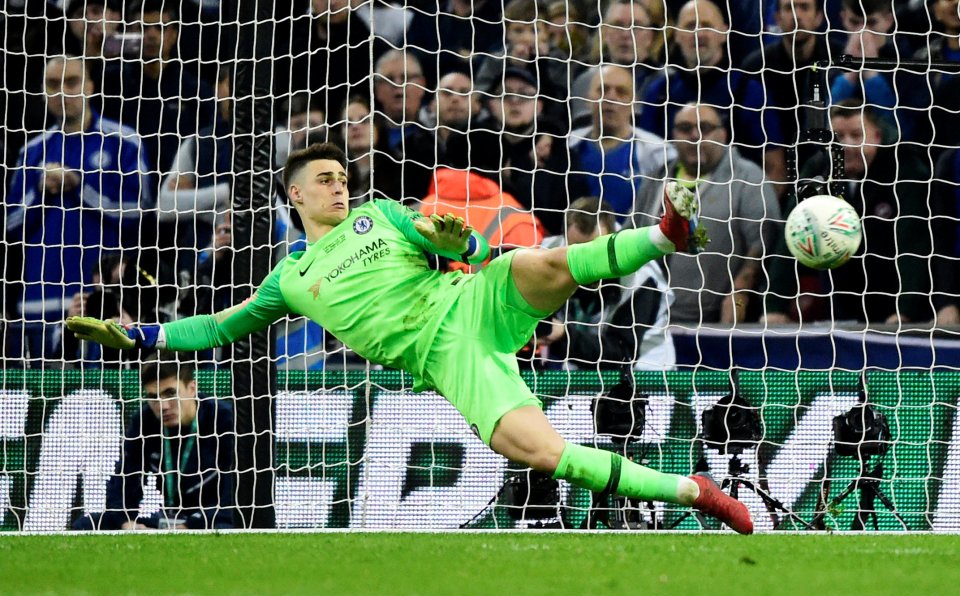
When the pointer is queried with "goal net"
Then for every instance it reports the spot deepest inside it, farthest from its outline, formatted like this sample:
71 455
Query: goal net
143 149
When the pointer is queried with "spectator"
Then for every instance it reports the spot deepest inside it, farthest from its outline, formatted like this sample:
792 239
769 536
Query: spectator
612 159
785 67
611 323
91 31
944 104
535 165
898 93
364 146
77 188
888 280
737 209
526 47
156 94
331 56
567 31
387 19
454 106
465 186
399 91
453 34
629 37
945 204
704 74
126 288
186 441
303 121
195 193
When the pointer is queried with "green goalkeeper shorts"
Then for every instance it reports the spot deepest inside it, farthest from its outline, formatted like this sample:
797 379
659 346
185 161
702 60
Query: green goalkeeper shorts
472 361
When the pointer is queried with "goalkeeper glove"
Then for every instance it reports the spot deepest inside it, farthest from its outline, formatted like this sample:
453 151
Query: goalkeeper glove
448 233
113 335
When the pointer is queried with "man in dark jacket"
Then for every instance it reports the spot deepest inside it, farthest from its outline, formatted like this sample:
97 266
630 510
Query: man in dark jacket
187 441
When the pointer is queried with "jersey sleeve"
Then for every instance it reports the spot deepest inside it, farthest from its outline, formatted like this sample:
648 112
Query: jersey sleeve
258 312
402 218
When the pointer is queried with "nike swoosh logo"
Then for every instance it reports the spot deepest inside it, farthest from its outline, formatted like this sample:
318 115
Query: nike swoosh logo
304 272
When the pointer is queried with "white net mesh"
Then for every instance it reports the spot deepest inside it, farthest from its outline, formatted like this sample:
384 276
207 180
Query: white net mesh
542 124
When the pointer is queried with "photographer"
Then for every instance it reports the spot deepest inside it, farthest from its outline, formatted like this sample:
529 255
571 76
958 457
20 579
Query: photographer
187 441
125 289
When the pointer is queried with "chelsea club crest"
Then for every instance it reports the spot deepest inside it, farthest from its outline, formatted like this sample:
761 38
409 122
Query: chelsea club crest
362 224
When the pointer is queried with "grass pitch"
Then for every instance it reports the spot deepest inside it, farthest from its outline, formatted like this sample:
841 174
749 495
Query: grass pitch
525 563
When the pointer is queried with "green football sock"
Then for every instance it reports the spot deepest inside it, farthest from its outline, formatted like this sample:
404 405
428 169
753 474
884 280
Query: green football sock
603 471
613 255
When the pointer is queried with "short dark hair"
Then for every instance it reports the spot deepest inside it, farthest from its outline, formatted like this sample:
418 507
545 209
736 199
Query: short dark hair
168 7
868 7
299 159
587 213
848 108
162 367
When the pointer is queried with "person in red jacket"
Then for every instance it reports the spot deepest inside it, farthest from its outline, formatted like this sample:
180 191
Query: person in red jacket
466 186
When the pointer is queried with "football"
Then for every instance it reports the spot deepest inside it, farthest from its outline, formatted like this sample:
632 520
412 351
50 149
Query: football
823 232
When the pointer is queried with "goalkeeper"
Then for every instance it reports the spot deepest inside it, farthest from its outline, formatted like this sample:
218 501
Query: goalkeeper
364 277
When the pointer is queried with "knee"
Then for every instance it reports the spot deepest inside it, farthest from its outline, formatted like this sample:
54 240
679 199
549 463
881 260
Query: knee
555 263
546 459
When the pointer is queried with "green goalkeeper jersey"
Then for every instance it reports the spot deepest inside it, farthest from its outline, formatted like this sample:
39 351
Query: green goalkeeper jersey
367 282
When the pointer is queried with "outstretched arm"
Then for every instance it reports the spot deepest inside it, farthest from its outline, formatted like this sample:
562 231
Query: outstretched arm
445 236
192 333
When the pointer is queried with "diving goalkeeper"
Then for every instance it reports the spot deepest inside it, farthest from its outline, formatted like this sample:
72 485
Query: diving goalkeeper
364 277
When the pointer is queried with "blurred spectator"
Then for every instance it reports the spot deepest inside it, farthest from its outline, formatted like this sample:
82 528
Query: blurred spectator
77 188
612 159
92 27
453 108
451 34
196 191
943 96
613 322
399 91
127 289
155 94
331 54
372 173
535 162
527 48
186 442
888 280
630 37
465 185
302 121
737 209
785 67
567 31
704 74
898 93
945 205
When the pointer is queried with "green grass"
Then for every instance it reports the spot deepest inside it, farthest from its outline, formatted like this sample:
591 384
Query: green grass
613 563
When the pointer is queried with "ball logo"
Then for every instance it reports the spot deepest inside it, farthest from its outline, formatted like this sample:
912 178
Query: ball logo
362 224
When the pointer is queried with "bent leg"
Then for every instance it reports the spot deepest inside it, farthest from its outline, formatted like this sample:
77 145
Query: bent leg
526 436
547 278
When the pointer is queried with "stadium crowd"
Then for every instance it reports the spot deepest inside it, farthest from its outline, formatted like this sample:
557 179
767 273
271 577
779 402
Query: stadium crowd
539 121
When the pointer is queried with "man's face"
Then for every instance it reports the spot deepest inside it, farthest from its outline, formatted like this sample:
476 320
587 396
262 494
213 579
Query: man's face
172 401
306 128
799 17
577 236
319 192
67 88
612 95
626 33
947 12
358 125
521 39
456 103
860 139
336 10
700 138
399 89
518 106
701 33
159 35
